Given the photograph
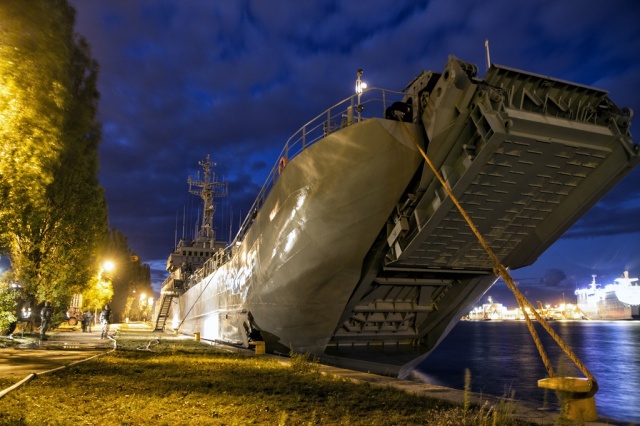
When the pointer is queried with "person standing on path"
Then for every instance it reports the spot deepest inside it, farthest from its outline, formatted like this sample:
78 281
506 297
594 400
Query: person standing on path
105 320
87 319
45 317
82 323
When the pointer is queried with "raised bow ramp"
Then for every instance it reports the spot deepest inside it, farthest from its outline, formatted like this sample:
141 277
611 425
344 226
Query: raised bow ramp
526 155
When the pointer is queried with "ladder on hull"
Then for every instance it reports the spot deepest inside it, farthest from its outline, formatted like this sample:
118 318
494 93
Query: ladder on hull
171 288
163 312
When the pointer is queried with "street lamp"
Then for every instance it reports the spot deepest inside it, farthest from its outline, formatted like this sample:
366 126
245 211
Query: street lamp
108 266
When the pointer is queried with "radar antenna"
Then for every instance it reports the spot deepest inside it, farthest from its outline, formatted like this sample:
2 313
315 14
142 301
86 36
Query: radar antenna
207 189
486 48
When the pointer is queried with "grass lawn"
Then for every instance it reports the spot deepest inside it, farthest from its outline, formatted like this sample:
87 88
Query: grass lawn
182 382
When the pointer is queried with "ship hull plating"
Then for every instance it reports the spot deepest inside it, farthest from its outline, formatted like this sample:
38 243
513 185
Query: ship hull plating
302 257
606 308
617 301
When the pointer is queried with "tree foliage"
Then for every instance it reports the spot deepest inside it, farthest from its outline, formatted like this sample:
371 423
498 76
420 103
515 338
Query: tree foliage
8 314
130 277
53 219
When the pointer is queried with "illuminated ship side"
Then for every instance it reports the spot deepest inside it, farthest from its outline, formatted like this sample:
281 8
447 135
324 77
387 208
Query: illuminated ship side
620 300
355 254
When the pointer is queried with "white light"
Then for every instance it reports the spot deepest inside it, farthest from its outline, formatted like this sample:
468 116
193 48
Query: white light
360 85
108 266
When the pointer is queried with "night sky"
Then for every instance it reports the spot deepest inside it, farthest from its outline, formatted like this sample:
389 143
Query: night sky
182 79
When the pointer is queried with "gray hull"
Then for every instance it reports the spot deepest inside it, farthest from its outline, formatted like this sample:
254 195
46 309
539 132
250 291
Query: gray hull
298 264
356 254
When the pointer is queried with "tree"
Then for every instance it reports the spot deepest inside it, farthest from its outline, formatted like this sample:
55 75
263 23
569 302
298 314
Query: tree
98 293
11 298
53 220
131 278
8 298
31 102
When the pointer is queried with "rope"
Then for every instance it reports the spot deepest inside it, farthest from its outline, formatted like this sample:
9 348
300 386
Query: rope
150 345
501 271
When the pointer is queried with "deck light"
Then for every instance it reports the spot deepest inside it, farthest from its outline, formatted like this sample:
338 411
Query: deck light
360 85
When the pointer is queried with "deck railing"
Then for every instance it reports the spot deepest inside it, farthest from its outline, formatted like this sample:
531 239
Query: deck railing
371 103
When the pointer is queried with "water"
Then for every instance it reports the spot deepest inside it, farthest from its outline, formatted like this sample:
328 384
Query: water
502 358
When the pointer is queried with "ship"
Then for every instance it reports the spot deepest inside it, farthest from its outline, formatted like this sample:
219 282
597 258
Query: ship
497 311
619 300
354 253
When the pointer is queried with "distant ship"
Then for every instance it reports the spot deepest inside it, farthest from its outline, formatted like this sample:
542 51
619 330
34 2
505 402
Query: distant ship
488 311
497 311
354 253
620 300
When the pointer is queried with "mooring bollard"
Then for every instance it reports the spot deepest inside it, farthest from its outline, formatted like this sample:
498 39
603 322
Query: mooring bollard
175 331
260 347
574 393
196 335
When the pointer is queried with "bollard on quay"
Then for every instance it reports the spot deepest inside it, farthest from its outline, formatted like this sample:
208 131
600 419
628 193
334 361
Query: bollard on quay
574 393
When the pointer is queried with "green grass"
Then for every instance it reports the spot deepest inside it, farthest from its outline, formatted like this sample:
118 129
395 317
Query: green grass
181 382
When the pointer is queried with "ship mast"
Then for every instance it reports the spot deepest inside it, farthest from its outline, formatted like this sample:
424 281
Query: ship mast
207 189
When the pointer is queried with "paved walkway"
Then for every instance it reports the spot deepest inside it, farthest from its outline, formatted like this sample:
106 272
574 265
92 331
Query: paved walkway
63 346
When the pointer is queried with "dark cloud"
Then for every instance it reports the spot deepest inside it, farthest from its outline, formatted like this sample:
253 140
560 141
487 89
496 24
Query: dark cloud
180 80
553 277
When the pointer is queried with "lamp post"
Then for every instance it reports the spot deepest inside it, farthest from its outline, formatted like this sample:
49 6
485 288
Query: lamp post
360 87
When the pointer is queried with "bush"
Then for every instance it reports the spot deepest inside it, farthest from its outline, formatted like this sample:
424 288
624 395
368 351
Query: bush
8 297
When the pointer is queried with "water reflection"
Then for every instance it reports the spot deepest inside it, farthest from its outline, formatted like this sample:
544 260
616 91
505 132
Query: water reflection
503 358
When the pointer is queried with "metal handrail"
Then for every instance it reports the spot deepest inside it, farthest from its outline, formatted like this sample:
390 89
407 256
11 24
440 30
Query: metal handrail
340 115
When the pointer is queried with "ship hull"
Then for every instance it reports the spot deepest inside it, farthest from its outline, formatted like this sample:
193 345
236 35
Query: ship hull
607 307
299 262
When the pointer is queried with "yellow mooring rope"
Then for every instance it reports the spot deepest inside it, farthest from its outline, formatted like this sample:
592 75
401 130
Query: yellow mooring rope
500 270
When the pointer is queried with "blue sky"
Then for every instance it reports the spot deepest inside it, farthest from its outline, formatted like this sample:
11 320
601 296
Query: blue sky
181 79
